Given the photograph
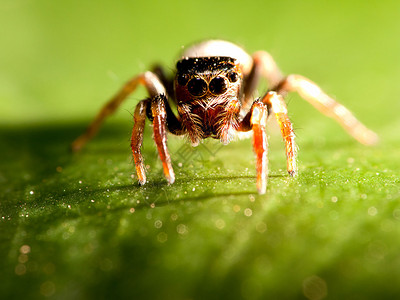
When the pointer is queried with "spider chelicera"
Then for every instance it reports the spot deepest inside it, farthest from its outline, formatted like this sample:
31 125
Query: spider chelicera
212 90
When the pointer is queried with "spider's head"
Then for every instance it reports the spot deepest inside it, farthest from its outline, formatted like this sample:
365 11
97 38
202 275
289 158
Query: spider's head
207 78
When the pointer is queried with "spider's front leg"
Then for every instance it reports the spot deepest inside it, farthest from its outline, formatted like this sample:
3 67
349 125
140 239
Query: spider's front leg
159 112
139 118
256 120
277 105
158 115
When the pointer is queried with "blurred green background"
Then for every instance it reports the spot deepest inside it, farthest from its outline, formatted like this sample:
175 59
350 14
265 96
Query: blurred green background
74 226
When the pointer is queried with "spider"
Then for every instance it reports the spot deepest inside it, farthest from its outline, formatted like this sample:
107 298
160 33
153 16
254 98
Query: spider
212 89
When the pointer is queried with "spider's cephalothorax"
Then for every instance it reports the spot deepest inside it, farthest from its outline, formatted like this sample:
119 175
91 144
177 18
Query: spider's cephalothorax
213 88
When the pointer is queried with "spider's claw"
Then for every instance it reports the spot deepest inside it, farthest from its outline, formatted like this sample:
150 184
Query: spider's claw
367 137
141 174
78 144
141 182
169 173
261 185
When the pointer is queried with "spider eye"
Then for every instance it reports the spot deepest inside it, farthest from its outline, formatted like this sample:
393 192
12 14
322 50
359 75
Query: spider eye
218 85
232 76
197 87
182 79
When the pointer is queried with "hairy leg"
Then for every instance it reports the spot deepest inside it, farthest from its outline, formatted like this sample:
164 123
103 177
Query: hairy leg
159 114
256 120
158 111
276 104
139 118
148 79
311 92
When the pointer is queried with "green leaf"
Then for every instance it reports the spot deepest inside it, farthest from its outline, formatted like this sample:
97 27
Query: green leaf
79 226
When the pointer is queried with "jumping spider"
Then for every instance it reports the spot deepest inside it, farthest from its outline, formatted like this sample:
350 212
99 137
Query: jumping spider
212 90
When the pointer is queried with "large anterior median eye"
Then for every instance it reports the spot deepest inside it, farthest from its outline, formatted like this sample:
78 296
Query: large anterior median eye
197 86
218 85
